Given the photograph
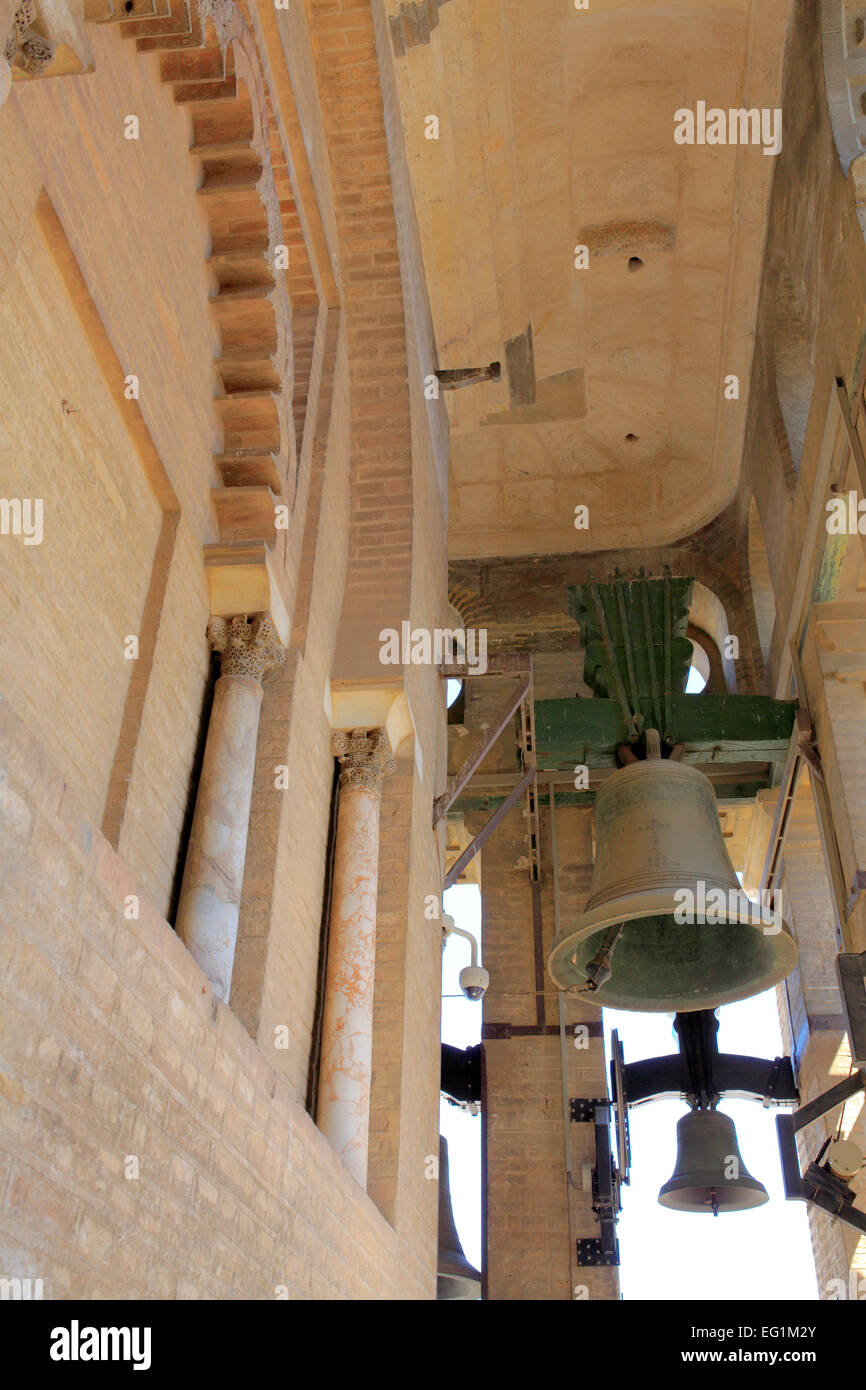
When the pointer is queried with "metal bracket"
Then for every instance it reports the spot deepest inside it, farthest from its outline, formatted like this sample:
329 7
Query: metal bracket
591 1252
603 1250
818 1185
851 972
583 1109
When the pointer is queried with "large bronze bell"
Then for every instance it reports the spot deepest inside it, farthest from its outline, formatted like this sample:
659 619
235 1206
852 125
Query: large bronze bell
457 1278
659 845
709 1174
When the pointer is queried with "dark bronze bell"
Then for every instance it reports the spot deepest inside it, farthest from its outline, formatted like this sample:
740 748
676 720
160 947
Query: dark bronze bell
639 944
709 1174
457 1278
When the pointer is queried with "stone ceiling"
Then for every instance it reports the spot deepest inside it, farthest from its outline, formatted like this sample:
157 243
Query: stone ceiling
556 129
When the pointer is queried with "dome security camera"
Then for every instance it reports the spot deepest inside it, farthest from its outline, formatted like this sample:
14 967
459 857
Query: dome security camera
474 981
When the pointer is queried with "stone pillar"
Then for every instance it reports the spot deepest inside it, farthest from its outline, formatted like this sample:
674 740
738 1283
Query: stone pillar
207 919
347 1027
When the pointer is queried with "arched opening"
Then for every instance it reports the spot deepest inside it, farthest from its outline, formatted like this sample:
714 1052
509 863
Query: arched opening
709 630
763 598
699 669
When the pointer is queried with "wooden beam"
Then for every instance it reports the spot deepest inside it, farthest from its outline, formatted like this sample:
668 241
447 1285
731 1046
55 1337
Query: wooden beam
713 728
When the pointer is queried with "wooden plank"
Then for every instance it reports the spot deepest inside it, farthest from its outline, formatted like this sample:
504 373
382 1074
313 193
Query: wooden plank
718 727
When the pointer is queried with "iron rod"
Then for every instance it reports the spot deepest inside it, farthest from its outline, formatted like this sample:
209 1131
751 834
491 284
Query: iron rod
648 633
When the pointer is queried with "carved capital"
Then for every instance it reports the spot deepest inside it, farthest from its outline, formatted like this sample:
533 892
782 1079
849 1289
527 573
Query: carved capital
247 648
365 757
26 49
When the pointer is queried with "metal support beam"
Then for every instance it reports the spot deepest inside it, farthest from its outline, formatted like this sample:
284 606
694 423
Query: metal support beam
851 970
818 1185
606 1204
480 750
814 1109
484 834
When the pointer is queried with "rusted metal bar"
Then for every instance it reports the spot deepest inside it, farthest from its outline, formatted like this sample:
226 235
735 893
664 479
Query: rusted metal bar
480 751
487 830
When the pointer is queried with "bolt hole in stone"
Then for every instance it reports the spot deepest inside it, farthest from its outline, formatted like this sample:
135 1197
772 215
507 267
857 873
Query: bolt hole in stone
634 263
631 439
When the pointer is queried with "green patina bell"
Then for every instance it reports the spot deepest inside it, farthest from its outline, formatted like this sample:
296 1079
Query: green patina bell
690 937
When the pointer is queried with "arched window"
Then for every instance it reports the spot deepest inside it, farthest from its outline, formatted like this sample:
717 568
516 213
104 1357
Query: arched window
709 629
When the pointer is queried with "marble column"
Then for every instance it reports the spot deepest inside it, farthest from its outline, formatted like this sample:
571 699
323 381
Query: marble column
210 896
347 1027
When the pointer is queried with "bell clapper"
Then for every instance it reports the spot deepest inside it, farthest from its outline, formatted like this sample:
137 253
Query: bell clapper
714 1201
598 970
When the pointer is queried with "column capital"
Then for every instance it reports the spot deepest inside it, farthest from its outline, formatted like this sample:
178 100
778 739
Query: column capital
247 648
365 757
25 48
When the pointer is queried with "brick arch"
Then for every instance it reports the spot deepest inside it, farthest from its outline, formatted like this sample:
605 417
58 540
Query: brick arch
709 556
474 612
208 56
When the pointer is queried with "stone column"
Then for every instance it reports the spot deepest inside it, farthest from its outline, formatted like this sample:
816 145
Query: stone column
207 919
347 1027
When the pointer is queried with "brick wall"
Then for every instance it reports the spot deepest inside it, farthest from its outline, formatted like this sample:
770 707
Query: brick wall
529 1225
78 594
112 1046
239 1192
